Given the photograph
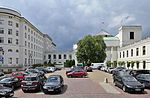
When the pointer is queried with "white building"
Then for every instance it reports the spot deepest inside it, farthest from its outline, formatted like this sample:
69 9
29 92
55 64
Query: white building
21 42
59 58
135 49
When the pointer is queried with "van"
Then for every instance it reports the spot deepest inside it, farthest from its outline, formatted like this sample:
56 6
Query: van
96 65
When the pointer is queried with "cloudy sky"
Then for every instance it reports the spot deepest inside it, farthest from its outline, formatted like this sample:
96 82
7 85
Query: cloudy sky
67 21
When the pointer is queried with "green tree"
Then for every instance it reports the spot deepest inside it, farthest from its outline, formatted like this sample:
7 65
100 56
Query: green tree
132 64
114 63
128 64
91 49
108 63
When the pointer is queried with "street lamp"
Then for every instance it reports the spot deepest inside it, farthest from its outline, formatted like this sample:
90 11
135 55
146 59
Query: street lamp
1 54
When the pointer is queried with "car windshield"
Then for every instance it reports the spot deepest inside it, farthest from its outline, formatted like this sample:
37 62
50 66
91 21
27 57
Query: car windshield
30 78
52 79
6 80
18 74
129 79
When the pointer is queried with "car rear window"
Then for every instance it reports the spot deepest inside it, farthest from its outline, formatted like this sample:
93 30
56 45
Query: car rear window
30 78
53 79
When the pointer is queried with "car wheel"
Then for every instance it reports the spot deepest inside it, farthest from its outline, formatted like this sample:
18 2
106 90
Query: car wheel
45 92
69 76
124 88
24 91
115 83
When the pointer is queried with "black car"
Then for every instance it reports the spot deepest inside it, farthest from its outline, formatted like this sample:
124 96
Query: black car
129 84
118 69
6 91
33 82
11 82
54 83
144 79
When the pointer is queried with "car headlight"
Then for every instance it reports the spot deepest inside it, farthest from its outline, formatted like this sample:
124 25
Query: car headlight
128 86
58 86
3 93
45 87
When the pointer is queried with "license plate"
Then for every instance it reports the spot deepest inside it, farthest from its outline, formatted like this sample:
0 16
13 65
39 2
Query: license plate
29 83
137 89
50 90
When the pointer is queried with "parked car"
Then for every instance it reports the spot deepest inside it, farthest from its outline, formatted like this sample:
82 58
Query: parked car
11 82
54 83
110 69
20 75
76 72
33 82
51 69
2 75
129 84
30 71
6 91
144 79
41 69
96 65
88 69
118 69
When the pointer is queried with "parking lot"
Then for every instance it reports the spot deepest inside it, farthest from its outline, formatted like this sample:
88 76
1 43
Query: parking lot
93 86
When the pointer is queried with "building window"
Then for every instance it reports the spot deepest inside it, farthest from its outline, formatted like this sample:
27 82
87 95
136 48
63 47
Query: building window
28 29
1 31
131 35
9 40
144 50
127 53
17 25
25 61
28 44
144 64
25 27
70 56
25 43
25 51
131 52
9 50
137 51
120 54
59 56
10 31
65 56
49 56
31 46
25 35
10 23
17 33
123 54
28 37
9 60
17 60
17 42
17 50
10 16
1 21
54 56
1 39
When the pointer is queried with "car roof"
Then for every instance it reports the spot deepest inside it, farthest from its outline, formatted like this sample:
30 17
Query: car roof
54 76
32 75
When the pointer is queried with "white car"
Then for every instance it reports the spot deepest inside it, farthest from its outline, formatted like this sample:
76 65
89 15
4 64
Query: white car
51 69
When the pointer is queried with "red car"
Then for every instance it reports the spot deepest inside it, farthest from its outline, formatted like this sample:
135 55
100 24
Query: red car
77 72
20 75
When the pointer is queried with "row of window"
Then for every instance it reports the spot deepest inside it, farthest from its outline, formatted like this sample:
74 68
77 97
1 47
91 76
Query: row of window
60 56
32 53
10 60
10 40
10 31
122 54
10 23
32 61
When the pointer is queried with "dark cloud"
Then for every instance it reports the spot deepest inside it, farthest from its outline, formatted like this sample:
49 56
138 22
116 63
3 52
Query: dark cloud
67 21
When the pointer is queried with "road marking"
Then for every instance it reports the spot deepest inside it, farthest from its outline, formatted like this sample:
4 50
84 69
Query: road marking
108 88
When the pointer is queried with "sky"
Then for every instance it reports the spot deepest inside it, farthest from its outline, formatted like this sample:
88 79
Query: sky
67 21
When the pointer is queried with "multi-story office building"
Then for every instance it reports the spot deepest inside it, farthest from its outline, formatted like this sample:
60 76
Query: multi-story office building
21 43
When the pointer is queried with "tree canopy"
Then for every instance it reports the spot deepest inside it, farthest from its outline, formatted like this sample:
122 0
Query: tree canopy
91 49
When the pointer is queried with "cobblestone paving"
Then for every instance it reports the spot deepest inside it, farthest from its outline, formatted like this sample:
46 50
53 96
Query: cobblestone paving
83 88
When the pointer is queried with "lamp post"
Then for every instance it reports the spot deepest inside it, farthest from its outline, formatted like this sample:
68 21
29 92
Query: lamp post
1 55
